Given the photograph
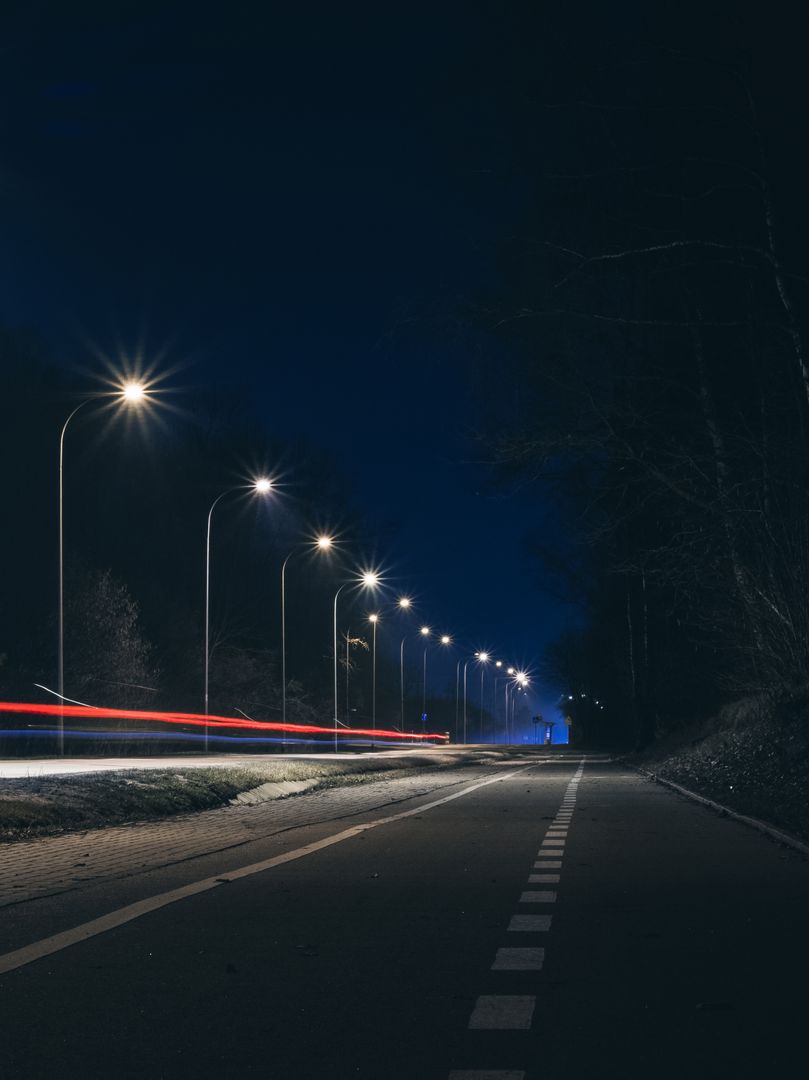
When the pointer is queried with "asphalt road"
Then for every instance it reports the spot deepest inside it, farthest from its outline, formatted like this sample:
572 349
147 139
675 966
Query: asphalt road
429 939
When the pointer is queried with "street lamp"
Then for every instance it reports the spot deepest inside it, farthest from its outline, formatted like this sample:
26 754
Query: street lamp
519 682
483 658
425 633
373 620
445 640
404 603
477 656
320 544
131 393
368 579
497 681
260 486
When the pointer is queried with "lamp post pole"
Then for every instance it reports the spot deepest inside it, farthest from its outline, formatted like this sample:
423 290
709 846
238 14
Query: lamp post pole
130 393
369 580
284 642
334 631
260 487
466 664
457 688
323 543
401 680
208 604
424 692
374 619
482 672
497 682
60 662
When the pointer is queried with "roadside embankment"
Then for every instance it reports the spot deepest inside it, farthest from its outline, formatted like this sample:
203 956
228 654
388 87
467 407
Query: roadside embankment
45 805
752 758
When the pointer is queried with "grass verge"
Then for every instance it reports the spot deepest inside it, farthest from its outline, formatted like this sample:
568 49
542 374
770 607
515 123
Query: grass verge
754 759
44 806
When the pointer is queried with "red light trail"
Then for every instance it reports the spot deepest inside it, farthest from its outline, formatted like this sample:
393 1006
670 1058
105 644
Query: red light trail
21 708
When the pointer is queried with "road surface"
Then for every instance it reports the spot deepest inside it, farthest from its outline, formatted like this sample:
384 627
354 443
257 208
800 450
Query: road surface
528 921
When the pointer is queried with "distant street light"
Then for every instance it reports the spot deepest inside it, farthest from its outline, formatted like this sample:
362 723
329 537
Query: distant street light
321 544
497 681
519 682
260 486
445 639
480 657
131 393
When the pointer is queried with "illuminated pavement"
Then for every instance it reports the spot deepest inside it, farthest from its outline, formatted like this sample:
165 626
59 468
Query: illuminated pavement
491 922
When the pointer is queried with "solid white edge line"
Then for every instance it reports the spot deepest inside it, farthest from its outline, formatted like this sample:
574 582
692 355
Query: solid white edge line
753 823
56 942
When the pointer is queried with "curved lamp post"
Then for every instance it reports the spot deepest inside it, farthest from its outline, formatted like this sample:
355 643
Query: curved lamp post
368 580
404 603
519 681
261 486
483 659
131 393
425 633
373 620
321 543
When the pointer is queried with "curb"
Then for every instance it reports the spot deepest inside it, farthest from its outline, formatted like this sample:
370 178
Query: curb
753 823
273 789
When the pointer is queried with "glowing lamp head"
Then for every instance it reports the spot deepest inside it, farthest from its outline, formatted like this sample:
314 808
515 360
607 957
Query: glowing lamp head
446 639
498 663
483 657
404 602
425 631
262 485
510 670
373 618
133 393
370 579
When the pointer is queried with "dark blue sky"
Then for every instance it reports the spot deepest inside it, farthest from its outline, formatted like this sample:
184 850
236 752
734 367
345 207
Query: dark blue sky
302 204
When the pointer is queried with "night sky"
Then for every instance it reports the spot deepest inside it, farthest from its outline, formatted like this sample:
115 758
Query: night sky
303 202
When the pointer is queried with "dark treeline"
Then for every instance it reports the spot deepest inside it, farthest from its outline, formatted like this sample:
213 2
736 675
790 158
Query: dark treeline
651 317
138 487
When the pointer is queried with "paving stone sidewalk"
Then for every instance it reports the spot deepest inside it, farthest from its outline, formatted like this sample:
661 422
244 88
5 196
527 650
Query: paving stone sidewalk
57 864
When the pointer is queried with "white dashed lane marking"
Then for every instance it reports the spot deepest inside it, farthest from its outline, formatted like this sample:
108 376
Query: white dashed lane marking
519 960
530 924
503 1012
507 1012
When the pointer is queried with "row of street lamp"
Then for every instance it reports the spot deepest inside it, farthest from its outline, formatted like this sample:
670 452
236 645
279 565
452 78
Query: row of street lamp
134 393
